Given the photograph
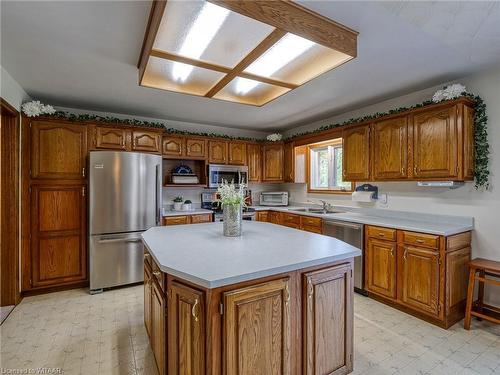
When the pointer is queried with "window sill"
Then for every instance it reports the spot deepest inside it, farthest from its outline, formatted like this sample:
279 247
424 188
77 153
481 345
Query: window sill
320 191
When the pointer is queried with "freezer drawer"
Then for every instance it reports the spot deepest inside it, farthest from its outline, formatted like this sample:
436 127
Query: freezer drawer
116 259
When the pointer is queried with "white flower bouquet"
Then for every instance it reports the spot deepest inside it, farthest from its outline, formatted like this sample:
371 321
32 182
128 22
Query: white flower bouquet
274 137
228 194
449 92
36 108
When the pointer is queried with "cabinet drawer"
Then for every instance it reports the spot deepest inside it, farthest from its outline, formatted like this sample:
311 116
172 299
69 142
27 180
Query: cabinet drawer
421 239
310 224
175 220
202 218
157 274
311 228
381 233
291 220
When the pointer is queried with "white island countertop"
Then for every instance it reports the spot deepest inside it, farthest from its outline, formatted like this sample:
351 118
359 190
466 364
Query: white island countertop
202 255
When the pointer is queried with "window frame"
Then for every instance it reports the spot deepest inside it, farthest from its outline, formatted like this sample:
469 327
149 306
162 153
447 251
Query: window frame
321 145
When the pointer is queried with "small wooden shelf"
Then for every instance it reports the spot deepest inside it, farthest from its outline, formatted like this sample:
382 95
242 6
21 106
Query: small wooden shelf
185 185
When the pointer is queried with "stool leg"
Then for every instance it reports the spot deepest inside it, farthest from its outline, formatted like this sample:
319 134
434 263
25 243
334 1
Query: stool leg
470 296
480 293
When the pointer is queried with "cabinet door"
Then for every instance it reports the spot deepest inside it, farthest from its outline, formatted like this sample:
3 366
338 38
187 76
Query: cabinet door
173 146
58 230
390 149
262 216
110 138
147 298
327 339
272 163
196 148
146 141
186 340
176 220
290 220
217 152
356 153
202 218
237 153
380 267
274 217
58 150
158 326
419 279
257 330
435 144
254 162
289 162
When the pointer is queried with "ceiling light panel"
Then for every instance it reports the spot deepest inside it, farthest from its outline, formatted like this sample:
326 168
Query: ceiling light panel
207 32
158 74
259 93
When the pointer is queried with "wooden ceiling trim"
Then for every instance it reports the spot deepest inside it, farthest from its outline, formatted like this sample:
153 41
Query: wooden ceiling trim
296 19
253 55
155 16
270 81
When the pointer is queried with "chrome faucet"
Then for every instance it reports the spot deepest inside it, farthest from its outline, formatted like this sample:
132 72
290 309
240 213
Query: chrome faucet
326 205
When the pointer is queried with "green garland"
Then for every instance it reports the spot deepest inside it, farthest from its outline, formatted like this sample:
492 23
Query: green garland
482 148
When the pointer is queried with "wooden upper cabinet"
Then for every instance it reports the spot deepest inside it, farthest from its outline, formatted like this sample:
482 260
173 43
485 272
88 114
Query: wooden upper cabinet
257 329
110 138
380 267
468 140
390 149
254 161
237 153
143 140
217 152
186 335
58 150
158 325
435 144
419 279
289 162
327 338
272 163
356 153
173 146
196 148
58 235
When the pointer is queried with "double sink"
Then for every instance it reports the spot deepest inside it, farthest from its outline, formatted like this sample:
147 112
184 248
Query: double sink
317 210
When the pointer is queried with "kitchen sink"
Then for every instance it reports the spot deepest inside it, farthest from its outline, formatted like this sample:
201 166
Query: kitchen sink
316 211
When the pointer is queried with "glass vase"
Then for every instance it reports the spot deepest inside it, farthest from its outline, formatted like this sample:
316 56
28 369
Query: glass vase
232 218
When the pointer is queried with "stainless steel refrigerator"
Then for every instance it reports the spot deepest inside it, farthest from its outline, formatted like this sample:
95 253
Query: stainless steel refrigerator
125 200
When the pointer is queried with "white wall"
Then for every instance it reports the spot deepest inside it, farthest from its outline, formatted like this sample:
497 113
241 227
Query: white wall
484 206
11 91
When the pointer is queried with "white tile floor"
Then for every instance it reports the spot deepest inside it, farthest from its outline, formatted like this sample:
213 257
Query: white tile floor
104 334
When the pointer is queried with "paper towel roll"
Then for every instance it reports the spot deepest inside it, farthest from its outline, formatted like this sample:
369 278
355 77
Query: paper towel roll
362 196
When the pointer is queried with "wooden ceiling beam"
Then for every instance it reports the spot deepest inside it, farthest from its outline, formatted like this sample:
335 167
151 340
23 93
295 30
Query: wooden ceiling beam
296 19
253 55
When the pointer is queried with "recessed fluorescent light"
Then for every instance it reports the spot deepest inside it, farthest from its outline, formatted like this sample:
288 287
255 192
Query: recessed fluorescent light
203 30
285 50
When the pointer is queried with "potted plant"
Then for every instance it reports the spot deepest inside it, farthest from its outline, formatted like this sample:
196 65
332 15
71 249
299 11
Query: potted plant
178 203
187 205
233 201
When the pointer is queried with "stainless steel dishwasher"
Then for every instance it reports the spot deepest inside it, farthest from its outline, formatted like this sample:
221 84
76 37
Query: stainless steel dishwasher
351 233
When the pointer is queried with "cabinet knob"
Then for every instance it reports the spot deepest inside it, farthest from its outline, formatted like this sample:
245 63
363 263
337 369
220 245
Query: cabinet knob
194 310
381 234
156 273
392 252
415 170
420 241
404 254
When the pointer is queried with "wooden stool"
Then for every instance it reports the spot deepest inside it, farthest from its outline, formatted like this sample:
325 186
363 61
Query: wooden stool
485 268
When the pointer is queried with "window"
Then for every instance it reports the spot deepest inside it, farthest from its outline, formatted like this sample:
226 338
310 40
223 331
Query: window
325 170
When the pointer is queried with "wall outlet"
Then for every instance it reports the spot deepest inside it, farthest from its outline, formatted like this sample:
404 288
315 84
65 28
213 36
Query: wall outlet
382 200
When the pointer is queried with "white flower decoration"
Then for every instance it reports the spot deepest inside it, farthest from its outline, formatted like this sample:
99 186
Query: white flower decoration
449 92
36 108
274 137
438 96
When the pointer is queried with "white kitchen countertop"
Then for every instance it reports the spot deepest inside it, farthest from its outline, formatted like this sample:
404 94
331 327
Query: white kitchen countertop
207 258
196 211
442 225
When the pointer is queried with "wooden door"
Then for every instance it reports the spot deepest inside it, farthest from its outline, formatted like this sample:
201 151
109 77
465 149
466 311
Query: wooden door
419 274
435 144
158 326
58 150
146 141
356 153
289 162
58 235
390 149
257 330
196 148
217 152
186 340
237 153
328 325
272 163
254 162
147 298
173 146
110 138
380 267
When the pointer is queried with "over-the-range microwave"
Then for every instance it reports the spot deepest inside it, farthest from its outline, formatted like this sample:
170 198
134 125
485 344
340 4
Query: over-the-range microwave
230 173
274 198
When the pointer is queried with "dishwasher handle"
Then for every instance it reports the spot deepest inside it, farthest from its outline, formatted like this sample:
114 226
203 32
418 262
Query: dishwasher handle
343 224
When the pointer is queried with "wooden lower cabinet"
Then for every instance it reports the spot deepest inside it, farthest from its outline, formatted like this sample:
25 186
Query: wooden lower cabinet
262 216
290 220
186 340
257 329
187 219
327 339
147 297
422 274
158 325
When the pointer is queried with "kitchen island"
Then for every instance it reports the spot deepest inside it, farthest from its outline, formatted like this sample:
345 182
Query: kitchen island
274 301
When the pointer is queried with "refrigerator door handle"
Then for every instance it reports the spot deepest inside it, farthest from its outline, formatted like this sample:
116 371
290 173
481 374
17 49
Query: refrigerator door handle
158 195
121 239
